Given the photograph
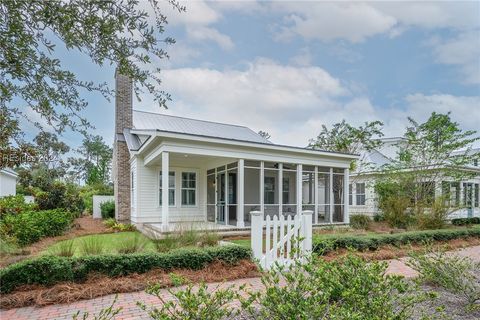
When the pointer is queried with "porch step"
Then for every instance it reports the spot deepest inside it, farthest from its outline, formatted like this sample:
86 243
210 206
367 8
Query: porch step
152 231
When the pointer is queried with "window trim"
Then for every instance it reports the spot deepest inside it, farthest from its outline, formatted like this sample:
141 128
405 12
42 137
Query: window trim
174 189
182 188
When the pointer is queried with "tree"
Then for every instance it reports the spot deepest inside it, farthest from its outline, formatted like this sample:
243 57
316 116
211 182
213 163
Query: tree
95 164
264 134
33 78
435 150
343 137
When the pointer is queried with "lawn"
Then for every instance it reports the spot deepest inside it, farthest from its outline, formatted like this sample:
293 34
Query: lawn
110 242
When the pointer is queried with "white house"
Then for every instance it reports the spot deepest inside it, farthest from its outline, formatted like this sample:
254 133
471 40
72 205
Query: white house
171 169
362 197
8 182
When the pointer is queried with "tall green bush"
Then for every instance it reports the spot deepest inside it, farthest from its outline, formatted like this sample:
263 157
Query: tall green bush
30 226
60 195
88 191
107 209
14 205
360 221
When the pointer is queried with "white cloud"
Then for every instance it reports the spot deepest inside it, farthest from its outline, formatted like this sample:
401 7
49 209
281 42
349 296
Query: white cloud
293 102
355 21
462 51
329 21
206 33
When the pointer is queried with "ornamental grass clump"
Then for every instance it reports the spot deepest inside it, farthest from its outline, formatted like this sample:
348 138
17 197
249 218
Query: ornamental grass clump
92 245
135 243
63 249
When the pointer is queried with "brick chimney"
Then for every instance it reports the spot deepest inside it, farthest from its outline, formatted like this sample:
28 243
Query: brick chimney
121 155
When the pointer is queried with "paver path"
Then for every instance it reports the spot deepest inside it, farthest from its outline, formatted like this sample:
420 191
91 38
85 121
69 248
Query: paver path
128 300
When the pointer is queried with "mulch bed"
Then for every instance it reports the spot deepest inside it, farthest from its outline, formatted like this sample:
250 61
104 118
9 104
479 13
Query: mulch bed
392 252
100 285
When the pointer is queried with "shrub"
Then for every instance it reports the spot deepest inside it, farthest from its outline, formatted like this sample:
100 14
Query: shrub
60 195
15 205
432 217
63 249
30 226
465 221
92 245
373 242
449 271
347 288
50 269
107 209
133 244
360 221
395 211
110 222
169 242
193 303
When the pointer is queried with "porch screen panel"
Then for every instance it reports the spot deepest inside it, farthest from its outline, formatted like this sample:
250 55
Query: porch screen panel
289 190
251 189
270 193
232 194
323 194
338 195
211 197
308 188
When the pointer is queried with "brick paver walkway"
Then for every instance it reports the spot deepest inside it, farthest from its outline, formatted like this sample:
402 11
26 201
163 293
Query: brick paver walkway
128 300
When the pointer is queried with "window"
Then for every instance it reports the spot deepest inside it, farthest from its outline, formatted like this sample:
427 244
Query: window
171 188
451 193
189 188
360 191
350 194
269 195
286 191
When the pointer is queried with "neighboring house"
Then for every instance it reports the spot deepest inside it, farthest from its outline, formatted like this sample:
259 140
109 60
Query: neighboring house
8 182
170 169
362 197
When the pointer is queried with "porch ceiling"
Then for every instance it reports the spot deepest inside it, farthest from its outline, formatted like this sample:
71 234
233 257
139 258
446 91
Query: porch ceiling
193 160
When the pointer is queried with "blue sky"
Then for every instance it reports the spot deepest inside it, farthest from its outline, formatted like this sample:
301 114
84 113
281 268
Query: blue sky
289 67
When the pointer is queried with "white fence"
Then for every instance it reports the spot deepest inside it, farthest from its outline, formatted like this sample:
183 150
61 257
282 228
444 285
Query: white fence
284 240
97 201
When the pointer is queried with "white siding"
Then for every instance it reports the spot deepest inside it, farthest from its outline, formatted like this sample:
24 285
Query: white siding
7 184
148 209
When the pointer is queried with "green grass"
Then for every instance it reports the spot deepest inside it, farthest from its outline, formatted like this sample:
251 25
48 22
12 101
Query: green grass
111 242
241 242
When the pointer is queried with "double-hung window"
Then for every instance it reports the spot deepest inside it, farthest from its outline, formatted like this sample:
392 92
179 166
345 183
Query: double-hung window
269 197
350 194
171 188
360 191
189 188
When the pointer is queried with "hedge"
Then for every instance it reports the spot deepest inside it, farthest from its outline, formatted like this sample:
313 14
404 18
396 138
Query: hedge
48 270
373 242
465 221
30 226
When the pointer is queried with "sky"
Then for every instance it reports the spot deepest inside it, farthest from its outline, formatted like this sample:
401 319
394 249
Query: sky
288 67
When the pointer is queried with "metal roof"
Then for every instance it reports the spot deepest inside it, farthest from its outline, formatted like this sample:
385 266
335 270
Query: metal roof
143 120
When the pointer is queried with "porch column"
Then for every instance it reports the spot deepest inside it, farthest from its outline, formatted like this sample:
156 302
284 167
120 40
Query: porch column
315 196
241 196
165 169
346 192
225 210
299 188
262 187
331 200
280 189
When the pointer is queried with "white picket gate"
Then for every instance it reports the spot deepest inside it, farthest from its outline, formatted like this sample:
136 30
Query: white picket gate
285 239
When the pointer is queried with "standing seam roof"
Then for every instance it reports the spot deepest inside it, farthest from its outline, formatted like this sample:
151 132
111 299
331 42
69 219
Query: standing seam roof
154 121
